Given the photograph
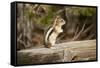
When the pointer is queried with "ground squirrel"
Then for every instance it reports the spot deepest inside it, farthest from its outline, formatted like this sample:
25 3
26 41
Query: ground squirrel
53 32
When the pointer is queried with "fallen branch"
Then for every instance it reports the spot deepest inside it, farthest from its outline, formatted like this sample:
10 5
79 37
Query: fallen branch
64 52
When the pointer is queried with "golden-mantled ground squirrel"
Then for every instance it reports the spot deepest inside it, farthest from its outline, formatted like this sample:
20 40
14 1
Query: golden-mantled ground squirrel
53 32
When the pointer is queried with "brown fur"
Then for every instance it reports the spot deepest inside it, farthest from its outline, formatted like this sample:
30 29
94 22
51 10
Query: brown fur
48 45
56 25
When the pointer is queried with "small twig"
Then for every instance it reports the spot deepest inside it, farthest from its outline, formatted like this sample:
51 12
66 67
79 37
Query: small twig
89 28
19 37
19 40
75 33
80 32
22 42
90 36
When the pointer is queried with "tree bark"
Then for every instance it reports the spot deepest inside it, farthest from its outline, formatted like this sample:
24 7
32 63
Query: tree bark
64 52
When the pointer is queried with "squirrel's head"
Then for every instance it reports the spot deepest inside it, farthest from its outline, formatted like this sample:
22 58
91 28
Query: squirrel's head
59 21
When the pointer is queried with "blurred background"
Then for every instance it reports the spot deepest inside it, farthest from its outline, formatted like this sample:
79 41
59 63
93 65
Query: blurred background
34 19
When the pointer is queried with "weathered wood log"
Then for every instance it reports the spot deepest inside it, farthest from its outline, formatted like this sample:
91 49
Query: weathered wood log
64 52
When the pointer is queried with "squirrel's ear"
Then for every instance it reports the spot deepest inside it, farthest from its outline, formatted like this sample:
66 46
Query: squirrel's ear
58 16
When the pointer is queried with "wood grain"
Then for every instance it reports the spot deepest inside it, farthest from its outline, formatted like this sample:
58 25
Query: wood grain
64 52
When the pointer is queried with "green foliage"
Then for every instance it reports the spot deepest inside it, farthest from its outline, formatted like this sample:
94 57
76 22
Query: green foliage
46 19
88 11
85 11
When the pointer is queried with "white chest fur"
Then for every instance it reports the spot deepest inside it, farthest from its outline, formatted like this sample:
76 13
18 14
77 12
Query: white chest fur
55 34
52 38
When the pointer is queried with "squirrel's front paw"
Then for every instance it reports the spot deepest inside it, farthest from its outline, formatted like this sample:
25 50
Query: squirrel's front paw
52 47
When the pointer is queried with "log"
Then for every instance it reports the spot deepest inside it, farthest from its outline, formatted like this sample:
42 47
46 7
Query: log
63 52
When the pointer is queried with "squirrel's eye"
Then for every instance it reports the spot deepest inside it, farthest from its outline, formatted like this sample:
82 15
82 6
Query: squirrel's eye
61 20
